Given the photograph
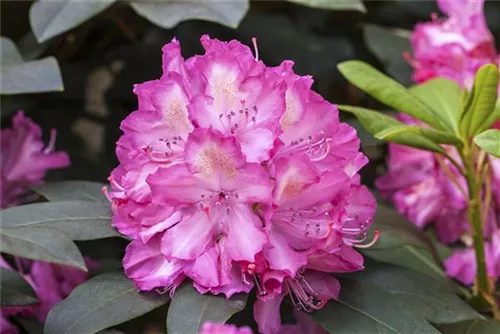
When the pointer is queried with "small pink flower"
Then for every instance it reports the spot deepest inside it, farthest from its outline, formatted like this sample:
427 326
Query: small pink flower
216 328
461 265
25 160
454 47
51 283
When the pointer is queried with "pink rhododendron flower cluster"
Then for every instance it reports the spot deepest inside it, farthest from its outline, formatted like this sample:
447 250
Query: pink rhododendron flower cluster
454 47
238 175
25 162
425 187
218 328
25 159
51 283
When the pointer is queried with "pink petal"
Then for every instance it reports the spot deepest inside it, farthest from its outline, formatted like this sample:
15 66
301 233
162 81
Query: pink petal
204 269
175 185
461 265
212 156
324 285
282 257
190 238
267 315
148 267
346 259
245 237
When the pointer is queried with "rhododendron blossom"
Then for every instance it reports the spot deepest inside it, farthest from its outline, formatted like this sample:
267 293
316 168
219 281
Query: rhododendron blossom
217 328
237 175
454 47
25 159
51 283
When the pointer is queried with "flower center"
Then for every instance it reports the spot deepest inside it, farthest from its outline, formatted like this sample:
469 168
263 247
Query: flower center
302 294
316 147
237 121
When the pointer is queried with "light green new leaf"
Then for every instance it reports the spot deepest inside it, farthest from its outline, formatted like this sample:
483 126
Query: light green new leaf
438 137
78 220
189 309
14 290
42 244
489 141
49 18
481 102
389 299
168 13
21 77
375 123
443 96
388 91
101 302
85 191
356 5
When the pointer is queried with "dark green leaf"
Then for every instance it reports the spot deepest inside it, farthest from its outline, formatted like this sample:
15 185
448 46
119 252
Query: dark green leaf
443 96
481 101
489 141
189 309
101 302
403 244
43 244
356 5
168 13
19 77
388 45
50 18
14 290
78 220
389 299
477 326
388 91
375 123
85 191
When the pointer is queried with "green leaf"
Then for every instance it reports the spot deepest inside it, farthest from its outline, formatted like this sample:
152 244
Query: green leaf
85 191
388 45
402 243
50 18
14 290
389 299
41 244
492 119
78 220
168 13
481 102
489 141
189 309
375 123
20 77
438 137
443 96
101 302
356 5
476 326
388 91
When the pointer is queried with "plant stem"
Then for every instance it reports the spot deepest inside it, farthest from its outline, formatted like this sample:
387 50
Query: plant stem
475 219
